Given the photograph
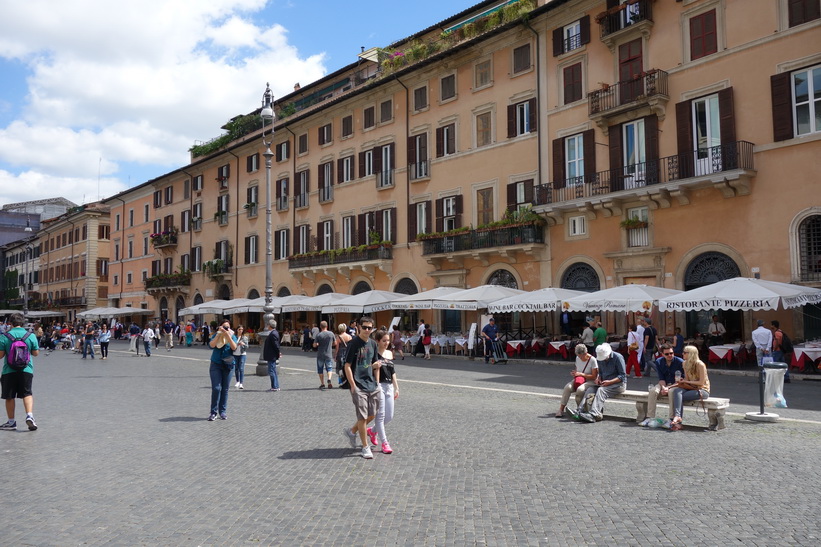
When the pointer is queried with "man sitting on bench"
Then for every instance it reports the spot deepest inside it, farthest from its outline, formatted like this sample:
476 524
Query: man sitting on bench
666 367
612 379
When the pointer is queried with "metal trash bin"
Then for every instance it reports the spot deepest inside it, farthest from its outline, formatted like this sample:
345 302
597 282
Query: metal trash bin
774 385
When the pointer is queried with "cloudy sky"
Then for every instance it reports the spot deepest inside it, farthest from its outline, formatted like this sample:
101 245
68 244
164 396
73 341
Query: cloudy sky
100 95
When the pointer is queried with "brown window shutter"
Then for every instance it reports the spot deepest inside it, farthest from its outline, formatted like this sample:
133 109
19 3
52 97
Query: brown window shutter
684 138
651 132
616 160
529 195
278 149
558 41
248 164
412 150
277 248
558 163
726 110
331 171
458 222
339 168
589 150
452 138
782 106
428 215
361 164
412 222
534 115
584 30
334 239
377 159
440 144
392 147
612 3
440 211
511 195
380 226
321 176
320 241
247 250
361 235
394 227
422 153
511 121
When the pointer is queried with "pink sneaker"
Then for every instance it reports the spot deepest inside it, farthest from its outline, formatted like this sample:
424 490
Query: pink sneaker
386 448
372 436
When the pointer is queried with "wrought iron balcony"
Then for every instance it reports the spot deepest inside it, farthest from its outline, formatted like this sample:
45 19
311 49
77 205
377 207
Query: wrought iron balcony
419 170
164 240
475 240
695 166
282 203
624 15
300 200
70 301
384 178
166 282
341 256
631 92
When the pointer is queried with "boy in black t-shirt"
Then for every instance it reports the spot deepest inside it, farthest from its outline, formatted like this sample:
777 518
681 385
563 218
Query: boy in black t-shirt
363 380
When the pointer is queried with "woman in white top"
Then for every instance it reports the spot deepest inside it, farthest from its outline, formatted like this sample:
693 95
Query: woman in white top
582 376
240 356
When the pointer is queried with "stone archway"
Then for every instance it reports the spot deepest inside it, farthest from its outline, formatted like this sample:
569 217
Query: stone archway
704 269
362 286
324 289
503 278
581 277
224 292
163 308
178 305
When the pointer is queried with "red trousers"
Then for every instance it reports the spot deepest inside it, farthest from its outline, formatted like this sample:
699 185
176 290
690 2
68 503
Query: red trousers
633 361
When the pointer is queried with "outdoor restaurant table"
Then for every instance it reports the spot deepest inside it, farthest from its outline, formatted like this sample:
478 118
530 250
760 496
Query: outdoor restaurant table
723 353
537 344
515 346
560 348
442 341
805 352
460 344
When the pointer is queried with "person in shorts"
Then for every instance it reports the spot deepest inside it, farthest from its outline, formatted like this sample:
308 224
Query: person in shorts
363 380
324 343
16 384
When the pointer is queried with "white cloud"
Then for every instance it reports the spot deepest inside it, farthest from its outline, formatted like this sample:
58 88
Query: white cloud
134 82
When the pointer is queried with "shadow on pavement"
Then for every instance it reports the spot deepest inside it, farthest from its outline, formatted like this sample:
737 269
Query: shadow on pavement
320 454
183 419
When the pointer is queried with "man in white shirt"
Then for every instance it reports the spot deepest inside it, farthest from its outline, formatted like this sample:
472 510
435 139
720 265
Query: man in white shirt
716 331
763 341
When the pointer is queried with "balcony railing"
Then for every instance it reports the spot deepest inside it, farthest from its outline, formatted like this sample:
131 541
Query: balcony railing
650 83
340 256
703 162
161 241
384 178
638 237
70 301
480 239
282 203
300 200
326 194
624 15
216 268
419 170
164 281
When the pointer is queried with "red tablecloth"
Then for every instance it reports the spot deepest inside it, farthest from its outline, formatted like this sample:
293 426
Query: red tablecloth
553 350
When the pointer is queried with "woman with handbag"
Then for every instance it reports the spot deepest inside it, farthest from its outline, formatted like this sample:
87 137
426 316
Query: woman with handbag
695 385
224 343
240 355
583 376
634 350
426 340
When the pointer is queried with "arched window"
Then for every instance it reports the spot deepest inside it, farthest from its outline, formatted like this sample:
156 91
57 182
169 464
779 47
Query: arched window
283 292
503 278
406 286
253 294
163 307
581 277
324 289
224 292
180 304
809 248
198 299
361 287
709 267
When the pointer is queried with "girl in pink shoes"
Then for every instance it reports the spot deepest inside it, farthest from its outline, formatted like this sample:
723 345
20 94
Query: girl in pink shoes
389 385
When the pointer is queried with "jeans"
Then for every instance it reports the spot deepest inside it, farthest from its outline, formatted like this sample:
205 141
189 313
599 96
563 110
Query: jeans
778 357
147 344
602 394
104 349
220 386
272 372
88 346
239 367
385 413
678 396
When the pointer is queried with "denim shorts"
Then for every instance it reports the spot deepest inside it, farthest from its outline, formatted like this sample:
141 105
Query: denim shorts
323 365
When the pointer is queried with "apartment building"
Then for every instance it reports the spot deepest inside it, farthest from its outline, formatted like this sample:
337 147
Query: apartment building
74 260
574 143
21 272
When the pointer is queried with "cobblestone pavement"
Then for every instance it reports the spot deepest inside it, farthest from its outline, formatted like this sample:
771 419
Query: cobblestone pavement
124 456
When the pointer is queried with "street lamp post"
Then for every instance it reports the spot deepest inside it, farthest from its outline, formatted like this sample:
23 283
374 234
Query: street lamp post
26 251
267 115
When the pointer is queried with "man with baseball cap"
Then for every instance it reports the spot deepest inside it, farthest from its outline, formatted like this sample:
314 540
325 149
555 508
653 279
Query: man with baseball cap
612 379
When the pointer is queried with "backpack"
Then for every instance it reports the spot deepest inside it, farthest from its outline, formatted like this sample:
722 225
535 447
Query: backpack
18 355
786 343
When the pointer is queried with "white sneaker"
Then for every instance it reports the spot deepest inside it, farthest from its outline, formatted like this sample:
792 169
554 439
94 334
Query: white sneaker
236 385
366 453
351 437
645 422
241 386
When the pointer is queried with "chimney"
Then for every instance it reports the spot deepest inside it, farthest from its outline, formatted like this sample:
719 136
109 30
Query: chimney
296 86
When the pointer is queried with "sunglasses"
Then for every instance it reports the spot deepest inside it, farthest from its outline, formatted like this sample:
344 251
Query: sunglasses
668 353
366 327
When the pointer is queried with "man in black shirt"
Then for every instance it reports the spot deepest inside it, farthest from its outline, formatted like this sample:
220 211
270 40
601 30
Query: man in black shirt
364 383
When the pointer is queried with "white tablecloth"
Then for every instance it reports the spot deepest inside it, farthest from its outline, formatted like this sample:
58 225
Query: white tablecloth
813 352
721 351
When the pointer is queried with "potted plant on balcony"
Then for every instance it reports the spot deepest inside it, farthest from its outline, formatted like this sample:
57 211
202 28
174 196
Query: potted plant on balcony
633 223
221 216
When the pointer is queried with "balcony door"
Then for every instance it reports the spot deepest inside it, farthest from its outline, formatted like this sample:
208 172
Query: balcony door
630 68
706 135
635 154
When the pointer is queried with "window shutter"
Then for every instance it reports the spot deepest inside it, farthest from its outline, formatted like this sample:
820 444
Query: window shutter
307 182
558 163
321 176
393 225
278 189
589 147
297 239
440 142
558 41
440 211
422 153
412 150
452 138
334 239
458 222
511 195
278 149
361 232
249 164
361 164
534 115
320 239
616 180
330 181
412 222
651 132
511 121
340 167
684 138
277 246
726 109
528 184
584 30
377 159
392 148
380 226
612 3
247 250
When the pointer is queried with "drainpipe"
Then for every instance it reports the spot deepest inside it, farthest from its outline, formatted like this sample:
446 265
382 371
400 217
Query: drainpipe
71 264
407 137
293 183
540 130
120 259
236 237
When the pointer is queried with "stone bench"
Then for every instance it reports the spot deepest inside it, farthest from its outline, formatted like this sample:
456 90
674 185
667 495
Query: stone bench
716 406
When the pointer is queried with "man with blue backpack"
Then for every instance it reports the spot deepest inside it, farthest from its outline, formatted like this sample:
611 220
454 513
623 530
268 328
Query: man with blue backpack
17 346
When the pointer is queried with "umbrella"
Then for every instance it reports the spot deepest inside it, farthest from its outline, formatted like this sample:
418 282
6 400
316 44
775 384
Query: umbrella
254 305
365 302
213 306
36 314
423 300
742 293
626 298
128 310
98 313
547 299
314 303
474 299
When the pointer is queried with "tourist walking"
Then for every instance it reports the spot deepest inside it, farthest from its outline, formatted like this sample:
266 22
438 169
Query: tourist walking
104 338
271 353
18 370
148 335
363 381
240 355
389 387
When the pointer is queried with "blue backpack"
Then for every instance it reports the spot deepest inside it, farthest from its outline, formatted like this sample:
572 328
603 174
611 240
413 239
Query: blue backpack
18 355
